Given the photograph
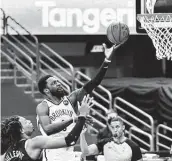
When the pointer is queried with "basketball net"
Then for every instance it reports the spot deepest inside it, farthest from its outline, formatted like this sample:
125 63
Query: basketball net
159 28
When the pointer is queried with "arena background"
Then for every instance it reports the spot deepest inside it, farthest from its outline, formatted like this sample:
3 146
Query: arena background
135 74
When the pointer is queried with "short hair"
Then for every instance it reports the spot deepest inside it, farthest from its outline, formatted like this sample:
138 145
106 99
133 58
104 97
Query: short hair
42 83
115 119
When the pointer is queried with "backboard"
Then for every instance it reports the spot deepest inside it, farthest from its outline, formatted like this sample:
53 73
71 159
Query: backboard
161 6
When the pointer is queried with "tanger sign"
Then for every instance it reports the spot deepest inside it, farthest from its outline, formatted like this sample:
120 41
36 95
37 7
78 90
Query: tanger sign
77 17
88 20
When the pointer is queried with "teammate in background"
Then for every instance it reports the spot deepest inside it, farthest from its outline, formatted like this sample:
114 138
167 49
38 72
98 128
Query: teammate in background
57 113
20 146
115 148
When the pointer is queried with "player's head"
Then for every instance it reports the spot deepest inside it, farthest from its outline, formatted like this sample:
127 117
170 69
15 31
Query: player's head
111 115
117 126
14 128
50 85
27 126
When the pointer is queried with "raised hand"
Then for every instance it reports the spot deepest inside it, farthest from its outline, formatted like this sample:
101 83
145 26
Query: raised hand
85 106
109 51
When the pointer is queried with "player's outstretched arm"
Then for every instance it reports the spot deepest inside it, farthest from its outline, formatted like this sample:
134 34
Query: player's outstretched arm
46 142
90 85
85 149
44 120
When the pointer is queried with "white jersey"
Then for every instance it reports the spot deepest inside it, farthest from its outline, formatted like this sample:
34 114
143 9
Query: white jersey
59 112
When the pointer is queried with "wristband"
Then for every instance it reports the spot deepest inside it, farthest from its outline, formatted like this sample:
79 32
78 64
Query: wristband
82 117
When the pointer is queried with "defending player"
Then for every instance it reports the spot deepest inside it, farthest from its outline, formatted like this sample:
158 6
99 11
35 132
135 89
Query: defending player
18 145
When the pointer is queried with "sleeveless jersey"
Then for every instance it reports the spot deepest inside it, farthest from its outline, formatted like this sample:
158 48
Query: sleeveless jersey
59 112
18 153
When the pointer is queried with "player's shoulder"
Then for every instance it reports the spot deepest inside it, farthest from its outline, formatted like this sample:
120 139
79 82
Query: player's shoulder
42 103
42 106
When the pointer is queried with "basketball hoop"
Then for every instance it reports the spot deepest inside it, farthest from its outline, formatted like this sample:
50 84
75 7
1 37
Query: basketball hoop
159 28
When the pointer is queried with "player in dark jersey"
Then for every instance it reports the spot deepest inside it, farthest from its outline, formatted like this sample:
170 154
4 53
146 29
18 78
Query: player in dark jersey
115 148
20 147
53 92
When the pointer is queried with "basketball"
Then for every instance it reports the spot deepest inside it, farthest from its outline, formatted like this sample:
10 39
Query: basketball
117 32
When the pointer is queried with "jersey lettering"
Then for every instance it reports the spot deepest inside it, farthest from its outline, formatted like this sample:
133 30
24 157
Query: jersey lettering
59 113
14 154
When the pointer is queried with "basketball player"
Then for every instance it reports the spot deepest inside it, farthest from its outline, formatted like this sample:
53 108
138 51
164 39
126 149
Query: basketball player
57 113
21 147
115 148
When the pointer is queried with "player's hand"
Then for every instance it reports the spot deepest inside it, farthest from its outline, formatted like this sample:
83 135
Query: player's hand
85 106
109 51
